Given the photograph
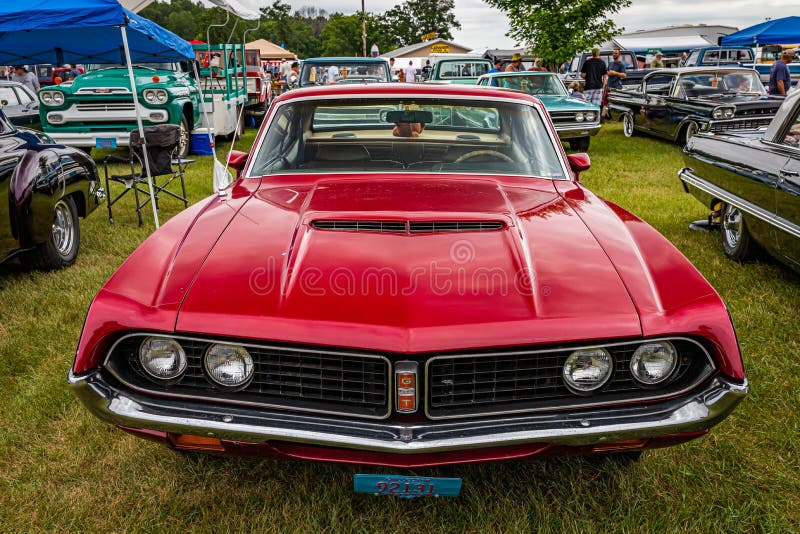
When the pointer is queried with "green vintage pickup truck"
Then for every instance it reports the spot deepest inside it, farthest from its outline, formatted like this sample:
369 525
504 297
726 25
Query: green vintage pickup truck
97 109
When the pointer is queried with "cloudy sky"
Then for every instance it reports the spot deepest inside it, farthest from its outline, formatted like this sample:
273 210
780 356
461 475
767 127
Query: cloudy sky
482 26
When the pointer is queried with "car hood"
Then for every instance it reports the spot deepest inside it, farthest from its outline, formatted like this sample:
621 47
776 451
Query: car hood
274 274
564 103
743 101
118 77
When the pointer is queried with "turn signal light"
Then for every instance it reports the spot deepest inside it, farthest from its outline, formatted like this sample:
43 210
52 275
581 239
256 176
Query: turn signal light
156 79
622 445
189 442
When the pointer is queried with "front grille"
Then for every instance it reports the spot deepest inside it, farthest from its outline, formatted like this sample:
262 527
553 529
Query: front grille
743 124
413 227
105 106
287 377
526 380
560 117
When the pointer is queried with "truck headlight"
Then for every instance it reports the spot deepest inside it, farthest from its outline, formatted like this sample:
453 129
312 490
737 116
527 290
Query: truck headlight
587 370
58 98
162 358
654 362
155 96
229 366
51 98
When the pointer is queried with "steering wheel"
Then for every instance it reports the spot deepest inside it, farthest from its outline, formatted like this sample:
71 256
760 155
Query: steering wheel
477 153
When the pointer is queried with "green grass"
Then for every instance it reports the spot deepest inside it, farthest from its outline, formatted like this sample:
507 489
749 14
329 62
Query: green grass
62 470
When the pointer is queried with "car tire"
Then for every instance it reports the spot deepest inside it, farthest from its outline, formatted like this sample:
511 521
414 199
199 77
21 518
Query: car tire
627 124
736 240
689 131
185 142
581 144
61 248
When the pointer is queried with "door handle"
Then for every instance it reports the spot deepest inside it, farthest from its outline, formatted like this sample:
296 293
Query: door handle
789 172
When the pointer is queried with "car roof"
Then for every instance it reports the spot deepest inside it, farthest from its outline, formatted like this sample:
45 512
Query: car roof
345 58
519 73
699 70
432 90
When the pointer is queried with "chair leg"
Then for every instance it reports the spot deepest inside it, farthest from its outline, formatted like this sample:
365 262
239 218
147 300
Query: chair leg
138 207
108 196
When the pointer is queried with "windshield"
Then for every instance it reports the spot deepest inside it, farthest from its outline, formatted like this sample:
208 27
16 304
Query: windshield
463 69
533 84
155 66
711 83
344 72
407 135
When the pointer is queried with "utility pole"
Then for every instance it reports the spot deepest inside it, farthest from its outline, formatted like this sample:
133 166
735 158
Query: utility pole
363 28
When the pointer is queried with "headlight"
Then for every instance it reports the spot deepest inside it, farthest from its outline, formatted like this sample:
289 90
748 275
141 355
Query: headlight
653 363
587 370
46 97
229 365
162 358
717 113
589 116
58 98
579 117
155 96
728 113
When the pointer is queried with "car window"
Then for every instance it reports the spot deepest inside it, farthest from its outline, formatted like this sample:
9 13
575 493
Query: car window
533 84
792 137
23 96
8 97
343 72
463 69
711 83
660 85
396 135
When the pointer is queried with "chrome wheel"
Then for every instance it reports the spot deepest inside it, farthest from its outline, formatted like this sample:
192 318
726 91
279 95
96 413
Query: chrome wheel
732 226
736 240
627 125
691 130
63 229
183 140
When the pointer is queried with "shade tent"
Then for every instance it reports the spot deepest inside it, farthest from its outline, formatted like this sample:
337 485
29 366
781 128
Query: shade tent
82 31
778 31
667 45
87 31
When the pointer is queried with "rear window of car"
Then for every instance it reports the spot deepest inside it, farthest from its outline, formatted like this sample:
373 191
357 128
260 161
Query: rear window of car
415 136
320 73
463 69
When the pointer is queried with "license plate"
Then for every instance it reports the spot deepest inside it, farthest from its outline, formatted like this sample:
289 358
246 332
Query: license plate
407 487
105 142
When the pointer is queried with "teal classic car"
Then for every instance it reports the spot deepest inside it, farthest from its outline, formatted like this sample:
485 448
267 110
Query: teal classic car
97 108
575 119
463 71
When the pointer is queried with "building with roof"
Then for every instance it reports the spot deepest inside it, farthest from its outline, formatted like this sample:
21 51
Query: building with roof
426 48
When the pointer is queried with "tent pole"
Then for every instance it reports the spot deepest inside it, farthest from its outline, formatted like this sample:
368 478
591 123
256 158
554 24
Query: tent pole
139 123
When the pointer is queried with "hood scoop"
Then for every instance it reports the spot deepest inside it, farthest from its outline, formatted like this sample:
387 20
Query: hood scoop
406 227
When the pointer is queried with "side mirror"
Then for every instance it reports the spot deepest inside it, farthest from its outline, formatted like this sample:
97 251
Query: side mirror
237 161
579 163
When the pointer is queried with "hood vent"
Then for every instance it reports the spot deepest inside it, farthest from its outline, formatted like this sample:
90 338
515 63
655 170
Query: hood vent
402 227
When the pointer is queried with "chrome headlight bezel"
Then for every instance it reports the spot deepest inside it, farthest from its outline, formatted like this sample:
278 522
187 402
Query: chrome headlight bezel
579 117
155 96
638 363
218 354
51 98
582 359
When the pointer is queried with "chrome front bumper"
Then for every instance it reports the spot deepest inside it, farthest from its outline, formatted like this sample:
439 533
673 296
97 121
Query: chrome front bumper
572 131
698 411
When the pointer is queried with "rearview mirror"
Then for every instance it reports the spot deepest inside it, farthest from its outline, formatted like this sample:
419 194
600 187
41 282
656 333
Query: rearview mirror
579 163
237 161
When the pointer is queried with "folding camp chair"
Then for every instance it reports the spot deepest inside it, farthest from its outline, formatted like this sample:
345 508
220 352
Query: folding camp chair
165 168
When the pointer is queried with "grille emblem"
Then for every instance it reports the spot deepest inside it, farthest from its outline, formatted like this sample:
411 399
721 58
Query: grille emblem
405 374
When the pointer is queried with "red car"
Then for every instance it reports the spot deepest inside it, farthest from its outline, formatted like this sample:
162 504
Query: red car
409 275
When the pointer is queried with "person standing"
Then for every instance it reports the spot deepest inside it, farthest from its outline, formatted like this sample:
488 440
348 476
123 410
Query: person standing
333 74
594 72
658 62
410 72
426 70
498 66
616 71
28 79
392 71
516 63
780 80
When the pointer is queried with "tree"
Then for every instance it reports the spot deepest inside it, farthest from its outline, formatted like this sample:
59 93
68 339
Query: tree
342 35
555 29
409 21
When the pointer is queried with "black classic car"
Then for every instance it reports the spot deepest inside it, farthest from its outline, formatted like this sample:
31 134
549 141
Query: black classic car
19 104
44 188
751 182
678 103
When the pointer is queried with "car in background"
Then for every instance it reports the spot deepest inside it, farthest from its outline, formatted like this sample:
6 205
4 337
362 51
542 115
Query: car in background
44 189
20 106
634 73
675 104
464 71
318 71
97 109
259 89
52 75
408 275
575 120
717 56
750 180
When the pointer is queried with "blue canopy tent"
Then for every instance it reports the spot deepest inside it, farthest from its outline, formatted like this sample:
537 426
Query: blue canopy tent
778 31
86 31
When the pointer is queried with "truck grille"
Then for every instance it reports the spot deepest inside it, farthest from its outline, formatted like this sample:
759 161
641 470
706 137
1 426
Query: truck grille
105 106
743 124
296 378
